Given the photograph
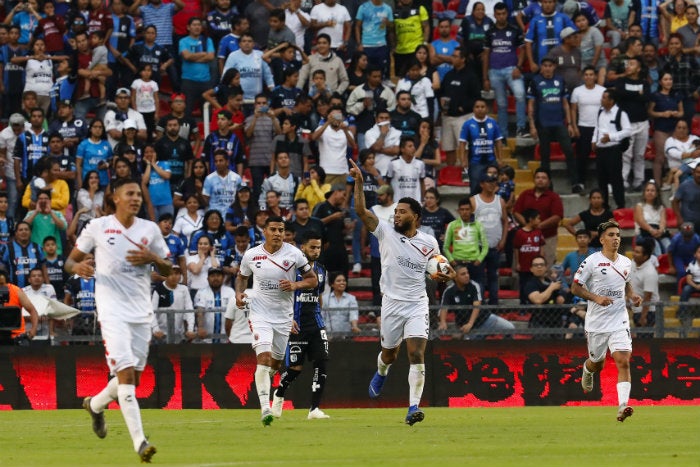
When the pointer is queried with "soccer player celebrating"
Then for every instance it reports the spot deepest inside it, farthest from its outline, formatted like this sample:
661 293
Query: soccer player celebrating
308 336
274 265
603 279
125 247
404 252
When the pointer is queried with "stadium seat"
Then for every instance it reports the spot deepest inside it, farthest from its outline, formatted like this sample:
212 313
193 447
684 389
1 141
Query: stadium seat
696 125
664 265
556 154
362 295
671 220
624 217
438 7
599 6
451 176
505 272
650 151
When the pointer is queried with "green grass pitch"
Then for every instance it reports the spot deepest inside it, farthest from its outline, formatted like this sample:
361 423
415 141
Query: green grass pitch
538 436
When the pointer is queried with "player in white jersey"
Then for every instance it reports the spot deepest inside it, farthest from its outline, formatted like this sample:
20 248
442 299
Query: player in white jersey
125 247
404 252
603 279
274 266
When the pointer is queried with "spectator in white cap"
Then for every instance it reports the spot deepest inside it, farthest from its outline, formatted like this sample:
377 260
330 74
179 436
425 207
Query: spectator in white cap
115 118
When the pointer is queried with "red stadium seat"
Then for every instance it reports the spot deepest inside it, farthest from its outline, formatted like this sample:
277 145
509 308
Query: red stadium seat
556 154
362 295
451 176
453 5
624 217
696 125
438 7
664 265
599 7
505 272
650 151
671 220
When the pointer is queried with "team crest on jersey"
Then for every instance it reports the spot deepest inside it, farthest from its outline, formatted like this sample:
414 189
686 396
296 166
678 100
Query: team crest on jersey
144 240
78 123
285 263
556 82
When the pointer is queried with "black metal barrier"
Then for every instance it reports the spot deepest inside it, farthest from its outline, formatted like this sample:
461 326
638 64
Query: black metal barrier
458 373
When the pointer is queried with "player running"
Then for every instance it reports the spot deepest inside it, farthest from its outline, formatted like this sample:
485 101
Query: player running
125 246
274 266
308 336
404 253
603 279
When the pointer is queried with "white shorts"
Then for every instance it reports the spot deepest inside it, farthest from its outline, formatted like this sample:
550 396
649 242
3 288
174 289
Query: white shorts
126 344
270 337
600 342
403 319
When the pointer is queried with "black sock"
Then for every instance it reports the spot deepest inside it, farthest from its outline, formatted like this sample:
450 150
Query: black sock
318 383
287 377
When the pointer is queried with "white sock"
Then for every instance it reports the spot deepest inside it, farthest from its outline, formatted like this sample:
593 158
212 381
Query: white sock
129 406
416 380
382 368
262 384
105 397
623 392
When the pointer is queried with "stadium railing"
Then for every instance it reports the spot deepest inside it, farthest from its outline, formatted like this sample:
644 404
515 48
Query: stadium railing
672 320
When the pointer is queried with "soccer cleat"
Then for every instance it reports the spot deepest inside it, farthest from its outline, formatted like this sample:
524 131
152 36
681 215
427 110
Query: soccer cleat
267 417
98 419
376 385
277 403
414 415
623 412
587 381
146 451
317 414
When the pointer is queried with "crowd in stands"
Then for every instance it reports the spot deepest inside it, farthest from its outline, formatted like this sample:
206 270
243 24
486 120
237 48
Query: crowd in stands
95 91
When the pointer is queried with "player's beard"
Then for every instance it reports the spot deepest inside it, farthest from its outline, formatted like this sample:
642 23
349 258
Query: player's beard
403 227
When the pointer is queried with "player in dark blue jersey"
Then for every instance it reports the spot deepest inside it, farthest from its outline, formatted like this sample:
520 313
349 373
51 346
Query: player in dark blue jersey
308 338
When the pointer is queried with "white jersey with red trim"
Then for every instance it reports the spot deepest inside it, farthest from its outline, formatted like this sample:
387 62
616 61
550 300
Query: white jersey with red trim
269 302
403 262
607 278
122 290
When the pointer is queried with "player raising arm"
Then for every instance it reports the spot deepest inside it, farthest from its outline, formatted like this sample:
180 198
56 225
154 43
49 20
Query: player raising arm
274 266
603 279
404 253
125 246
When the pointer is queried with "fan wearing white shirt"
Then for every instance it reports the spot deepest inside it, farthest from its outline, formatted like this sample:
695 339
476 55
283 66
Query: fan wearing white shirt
406 174
274 266
125 247
604 281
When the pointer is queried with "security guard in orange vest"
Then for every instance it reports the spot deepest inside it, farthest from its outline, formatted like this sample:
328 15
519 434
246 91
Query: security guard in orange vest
19 299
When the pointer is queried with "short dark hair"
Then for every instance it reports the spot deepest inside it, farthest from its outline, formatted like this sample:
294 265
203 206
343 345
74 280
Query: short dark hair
583 232
500 6
648 245
166 216
49 238
120 182
311 235
273 219
241 231
414 205
278 13
464 201
405 140
529 214
299 201
542 170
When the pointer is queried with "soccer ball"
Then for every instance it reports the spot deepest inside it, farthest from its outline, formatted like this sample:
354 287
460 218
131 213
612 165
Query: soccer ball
437 264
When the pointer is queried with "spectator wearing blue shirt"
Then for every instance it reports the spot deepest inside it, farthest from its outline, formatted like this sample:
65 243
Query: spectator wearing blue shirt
12 73
229 43
574 259
256 74
682 249
220 19
374 19
156 179
94 153
484 140
443 47
550 117
197 52
176 243
502 65
646 14
220 186
544 32
26 16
